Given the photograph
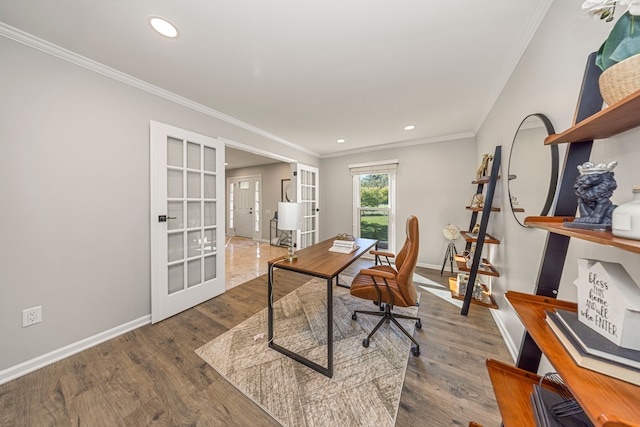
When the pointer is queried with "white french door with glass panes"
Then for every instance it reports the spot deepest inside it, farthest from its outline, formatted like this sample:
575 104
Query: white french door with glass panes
187 219
307 191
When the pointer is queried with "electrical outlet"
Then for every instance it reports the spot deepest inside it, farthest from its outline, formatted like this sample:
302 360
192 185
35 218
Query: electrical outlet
31 316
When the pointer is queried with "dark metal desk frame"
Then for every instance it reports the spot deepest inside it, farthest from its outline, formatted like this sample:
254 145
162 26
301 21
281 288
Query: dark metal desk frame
315 261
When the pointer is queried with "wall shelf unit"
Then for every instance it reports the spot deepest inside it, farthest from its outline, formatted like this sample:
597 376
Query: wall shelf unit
607 401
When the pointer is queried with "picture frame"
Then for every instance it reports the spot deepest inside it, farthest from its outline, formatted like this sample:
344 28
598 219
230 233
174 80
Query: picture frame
285 190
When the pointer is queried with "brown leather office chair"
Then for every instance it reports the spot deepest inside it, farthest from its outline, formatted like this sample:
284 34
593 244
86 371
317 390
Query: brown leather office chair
390 286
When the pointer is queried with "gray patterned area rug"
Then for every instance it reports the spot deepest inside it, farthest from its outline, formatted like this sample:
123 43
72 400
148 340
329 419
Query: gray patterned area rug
367 382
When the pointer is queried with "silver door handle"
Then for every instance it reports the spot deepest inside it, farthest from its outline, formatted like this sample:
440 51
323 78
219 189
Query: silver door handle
164 218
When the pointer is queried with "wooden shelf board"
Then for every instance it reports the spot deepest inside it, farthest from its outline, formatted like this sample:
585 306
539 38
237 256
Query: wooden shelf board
488 238
555 224
488 269
485 179
603 398
513 388
517 209
481 209
488 301
617 118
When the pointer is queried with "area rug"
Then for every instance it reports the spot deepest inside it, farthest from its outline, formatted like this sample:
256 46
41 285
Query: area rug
367 382
241 241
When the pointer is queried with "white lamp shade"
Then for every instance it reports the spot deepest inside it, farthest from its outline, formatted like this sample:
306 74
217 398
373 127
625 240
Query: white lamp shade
289 216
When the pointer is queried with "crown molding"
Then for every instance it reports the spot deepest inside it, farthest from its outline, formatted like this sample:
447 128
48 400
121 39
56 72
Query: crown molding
400 144
34 42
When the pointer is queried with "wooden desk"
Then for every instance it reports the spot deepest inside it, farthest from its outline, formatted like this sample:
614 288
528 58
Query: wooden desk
315 261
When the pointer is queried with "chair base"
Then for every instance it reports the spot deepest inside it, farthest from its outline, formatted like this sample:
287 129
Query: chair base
386 317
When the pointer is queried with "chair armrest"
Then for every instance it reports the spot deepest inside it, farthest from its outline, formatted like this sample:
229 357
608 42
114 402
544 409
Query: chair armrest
377 273
387 254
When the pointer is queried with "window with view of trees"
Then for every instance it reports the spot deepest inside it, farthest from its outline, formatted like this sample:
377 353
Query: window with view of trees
373 207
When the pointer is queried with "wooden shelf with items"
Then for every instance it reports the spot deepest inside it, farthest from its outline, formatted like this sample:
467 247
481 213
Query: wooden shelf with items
486 268
487 300
607 401
485 179
513 387
481 209
488 238
613 120
555 224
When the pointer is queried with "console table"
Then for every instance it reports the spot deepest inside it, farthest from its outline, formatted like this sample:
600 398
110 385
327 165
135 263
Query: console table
316 261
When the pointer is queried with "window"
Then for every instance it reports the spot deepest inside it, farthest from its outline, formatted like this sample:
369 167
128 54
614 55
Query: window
374 202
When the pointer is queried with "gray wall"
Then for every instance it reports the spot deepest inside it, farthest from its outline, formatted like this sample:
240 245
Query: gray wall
271 179
547 80
433 183
74 159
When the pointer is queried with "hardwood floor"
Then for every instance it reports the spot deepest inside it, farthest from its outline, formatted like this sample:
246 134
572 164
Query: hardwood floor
151 376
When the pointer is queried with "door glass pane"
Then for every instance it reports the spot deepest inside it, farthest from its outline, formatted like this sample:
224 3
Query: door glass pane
193 156
194 272
174 152
176 278
174 184
193 185
209 186
209 240
209 213
174 210
176 247
210 267
193 214
194 242
209 159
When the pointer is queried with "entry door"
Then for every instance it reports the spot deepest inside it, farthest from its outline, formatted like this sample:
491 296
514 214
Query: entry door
243 207
187 219
307 191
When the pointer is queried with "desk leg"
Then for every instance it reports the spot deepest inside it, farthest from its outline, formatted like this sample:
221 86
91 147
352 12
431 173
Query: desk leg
330 327
340 284
270 306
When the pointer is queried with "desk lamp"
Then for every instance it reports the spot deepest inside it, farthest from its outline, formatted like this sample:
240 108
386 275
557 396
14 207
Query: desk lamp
290 219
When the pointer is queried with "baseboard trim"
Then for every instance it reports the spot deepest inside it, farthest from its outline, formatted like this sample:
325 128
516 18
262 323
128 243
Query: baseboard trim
511 346
36 363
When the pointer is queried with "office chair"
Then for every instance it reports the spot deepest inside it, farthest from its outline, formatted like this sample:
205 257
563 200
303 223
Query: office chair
390 286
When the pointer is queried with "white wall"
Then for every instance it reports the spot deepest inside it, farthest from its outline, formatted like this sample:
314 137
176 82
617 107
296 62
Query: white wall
74 165
271 185
547 80
433 183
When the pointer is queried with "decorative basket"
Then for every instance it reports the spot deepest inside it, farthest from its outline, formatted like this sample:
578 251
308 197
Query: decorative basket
620 80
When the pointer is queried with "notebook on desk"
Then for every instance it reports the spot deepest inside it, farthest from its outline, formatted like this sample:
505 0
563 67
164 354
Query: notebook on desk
343 246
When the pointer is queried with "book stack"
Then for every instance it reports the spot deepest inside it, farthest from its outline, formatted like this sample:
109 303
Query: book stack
591 350
343 246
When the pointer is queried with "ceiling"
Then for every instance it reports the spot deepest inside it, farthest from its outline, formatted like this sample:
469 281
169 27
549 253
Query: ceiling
307 73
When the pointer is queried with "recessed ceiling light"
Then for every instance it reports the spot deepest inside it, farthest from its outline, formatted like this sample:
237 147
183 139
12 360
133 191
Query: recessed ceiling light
340 141
163 27
409 127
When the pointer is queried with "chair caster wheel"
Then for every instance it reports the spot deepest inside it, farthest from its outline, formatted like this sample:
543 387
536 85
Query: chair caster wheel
354 316
365 343
419 324
415 350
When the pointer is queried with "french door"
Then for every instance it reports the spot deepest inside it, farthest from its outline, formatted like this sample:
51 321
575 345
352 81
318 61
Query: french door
187 219
307 191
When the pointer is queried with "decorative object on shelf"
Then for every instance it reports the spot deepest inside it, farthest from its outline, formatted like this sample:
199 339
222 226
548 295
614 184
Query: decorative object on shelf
625 221
463 280
594 187
290 219
451 233
609 301
532 189
477 201
484 166
618 57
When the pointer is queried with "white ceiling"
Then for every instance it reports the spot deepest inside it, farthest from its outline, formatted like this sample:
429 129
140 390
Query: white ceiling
307 72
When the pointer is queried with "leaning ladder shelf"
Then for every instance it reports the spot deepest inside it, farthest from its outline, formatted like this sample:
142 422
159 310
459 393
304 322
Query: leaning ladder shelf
480 265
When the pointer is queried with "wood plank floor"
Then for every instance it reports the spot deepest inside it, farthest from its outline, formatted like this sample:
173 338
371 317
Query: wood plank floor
151 376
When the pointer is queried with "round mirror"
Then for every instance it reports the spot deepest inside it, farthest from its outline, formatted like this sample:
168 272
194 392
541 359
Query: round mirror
533 169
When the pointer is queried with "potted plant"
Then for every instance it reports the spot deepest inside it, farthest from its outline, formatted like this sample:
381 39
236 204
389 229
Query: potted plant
618 57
